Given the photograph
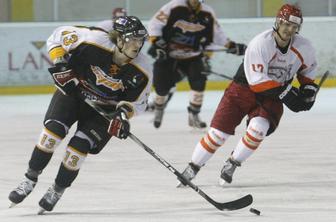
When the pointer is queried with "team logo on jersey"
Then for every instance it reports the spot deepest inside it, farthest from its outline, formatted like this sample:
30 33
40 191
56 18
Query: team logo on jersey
188 26
103 79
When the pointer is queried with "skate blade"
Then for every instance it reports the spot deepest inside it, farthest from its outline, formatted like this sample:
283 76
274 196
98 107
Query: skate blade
222 182
181 185
12 205
41 211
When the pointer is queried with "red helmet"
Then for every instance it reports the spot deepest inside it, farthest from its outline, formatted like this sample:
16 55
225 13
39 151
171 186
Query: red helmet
290 13
118 12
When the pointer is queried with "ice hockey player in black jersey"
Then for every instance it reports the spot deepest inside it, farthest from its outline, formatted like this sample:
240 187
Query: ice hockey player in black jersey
106 68
180 31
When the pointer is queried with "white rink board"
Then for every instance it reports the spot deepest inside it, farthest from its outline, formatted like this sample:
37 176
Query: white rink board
24 60
292 176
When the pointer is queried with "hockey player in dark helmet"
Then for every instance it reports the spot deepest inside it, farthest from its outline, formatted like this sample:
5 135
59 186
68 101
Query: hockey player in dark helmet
89 64
180 31
128 35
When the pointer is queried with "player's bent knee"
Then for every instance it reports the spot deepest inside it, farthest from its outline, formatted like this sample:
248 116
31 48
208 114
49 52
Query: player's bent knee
213 140
48 141
218 136
56 127
258 127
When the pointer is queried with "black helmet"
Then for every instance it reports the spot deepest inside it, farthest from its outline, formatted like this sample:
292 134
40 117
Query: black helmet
130 27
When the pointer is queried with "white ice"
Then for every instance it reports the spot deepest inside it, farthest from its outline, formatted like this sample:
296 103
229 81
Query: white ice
292 176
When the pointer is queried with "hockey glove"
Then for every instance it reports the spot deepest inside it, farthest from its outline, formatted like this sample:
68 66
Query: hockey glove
158 49
291 97
64 78
236 48
119 126
308 94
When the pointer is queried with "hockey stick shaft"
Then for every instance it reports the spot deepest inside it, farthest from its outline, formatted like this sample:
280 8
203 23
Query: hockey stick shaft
324 77
232 205
217 74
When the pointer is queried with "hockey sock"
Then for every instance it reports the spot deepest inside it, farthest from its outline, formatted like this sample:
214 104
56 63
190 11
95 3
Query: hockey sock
255 133
196 99
208 145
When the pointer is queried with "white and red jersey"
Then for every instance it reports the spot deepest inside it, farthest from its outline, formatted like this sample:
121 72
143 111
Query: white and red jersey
101 80
186 31
266 67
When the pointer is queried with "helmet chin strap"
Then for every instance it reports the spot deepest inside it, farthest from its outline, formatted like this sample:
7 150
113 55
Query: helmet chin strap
122 52
277 31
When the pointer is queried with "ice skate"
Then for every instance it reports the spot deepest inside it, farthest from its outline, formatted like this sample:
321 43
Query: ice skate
227 171
21 192
194 119
189 173
50 198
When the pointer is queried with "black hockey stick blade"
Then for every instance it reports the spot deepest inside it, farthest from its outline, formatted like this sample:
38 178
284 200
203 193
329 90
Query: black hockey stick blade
235 204
227 206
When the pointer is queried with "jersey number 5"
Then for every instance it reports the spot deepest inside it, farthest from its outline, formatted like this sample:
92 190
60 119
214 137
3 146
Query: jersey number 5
257 67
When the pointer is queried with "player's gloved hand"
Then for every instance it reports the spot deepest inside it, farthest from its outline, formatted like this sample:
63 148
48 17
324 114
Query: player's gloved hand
158 49
236 48
119 125
291 97
64 78
308 94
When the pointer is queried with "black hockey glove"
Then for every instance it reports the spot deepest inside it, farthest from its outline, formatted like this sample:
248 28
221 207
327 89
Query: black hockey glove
308 94
64 78
158 49
237 48
291 97
119 125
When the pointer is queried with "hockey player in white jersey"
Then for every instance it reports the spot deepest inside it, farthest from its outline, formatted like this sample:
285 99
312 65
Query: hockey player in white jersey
179 32
260 87
109 70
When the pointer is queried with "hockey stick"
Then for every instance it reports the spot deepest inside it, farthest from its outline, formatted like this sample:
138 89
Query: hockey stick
217 74
324 77
227 206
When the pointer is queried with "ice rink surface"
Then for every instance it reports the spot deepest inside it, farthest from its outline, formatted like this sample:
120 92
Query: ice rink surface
292 176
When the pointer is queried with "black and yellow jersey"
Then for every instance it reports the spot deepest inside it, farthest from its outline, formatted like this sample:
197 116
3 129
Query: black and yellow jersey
185 30
90 51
